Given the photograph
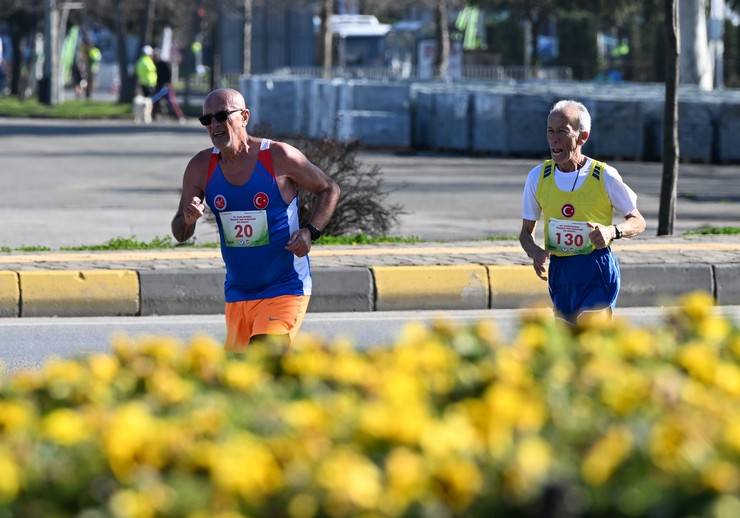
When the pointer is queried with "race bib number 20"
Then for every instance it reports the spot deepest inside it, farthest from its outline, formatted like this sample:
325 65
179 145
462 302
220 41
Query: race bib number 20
245 228
568 236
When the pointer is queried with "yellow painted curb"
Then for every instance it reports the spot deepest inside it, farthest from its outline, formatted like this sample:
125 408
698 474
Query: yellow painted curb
431 287
10 294
79 293
517 286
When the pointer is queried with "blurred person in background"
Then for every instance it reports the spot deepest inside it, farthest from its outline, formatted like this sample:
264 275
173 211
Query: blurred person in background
577 196
146 72
164 89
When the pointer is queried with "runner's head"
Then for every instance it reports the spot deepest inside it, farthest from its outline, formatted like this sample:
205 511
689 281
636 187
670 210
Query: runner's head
225 115
568 129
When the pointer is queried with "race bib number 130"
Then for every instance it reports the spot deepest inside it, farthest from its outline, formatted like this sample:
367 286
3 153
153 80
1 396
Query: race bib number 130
568 236
245 228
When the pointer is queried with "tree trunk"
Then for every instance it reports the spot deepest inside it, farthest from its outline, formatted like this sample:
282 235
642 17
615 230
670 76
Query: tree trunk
327 8
667 211
126 90
442 60
215 81
696 65
247 48
145 31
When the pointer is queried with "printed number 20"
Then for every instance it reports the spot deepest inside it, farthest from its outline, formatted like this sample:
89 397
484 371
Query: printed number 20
243 230
570 239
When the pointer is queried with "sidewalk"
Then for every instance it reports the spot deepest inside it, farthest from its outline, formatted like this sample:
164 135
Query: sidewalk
459 275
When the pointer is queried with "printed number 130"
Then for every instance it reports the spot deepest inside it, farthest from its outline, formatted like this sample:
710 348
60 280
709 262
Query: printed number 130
569 239
243 230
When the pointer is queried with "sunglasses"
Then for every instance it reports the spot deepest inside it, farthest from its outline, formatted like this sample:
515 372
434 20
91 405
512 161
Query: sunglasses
221 116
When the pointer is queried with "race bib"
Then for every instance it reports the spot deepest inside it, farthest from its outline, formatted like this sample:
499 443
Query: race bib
245 228
568 236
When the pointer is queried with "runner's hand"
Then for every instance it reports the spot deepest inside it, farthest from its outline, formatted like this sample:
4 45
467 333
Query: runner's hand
193 211
539 262
300 242
601 235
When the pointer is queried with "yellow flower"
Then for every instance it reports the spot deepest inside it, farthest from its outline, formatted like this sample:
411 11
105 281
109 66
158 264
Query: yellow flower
713 328
697 305
305 415
63 377
531 336
453 434
700 360
242 376
103 367
10 477
637 343
303 506
243 465
606 455
168 387
128 503
15 416
127 434
405 472
728 378
533 459
461 481
666 440
66 427
721 476
732 432
626 391
350 477
204 355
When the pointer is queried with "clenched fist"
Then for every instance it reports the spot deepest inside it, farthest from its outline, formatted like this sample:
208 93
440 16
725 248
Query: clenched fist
193 210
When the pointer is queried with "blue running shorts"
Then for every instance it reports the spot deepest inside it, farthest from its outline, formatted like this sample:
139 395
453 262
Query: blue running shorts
579 283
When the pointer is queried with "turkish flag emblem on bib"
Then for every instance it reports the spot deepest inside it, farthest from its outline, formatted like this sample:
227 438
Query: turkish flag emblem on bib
568 210
260 200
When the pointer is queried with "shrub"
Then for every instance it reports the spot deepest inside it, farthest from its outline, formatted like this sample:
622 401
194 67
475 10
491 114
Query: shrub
363 207
603 420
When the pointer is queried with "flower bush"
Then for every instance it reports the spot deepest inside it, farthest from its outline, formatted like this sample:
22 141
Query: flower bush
602 420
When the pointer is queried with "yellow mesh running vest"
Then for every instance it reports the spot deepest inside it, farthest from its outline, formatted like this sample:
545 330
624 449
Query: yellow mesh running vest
566 213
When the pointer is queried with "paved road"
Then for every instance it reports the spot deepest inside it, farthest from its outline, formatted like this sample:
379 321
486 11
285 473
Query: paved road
28 342
73 182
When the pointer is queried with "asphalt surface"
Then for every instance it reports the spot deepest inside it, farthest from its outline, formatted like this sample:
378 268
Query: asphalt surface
83 183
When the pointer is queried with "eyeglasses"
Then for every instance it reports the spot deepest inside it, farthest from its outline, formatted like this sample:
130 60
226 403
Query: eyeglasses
221 116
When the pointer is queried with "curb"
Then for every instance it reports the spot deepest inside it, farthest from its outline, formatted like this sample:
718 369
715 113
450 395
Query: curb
44 293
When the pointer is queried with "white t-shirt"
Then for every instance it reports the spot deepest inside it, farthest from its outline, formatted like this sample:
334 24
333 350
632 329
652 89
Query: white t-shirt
623 199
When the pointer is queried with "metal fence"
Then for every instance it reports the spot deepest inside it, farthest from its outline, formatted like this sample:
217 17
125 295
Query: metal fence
469 72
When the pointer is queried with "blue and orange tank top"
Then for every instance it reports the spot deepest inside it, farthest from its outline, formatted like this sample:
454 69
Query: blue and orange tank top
255 224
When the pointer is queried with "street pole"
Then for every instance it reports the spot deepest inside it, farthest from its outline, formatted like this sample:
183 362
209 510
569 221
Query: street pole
49 88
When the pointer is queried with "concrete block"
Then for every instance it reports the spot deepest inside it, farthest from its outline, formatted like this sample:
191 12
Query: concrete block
517 286
526 116
489 122
729 133
79 293
662 284
431 287
727 281
10 294
322 108
279 103
181 292
341 289
374 96
616 128
375 128
423 118
451 120
695 132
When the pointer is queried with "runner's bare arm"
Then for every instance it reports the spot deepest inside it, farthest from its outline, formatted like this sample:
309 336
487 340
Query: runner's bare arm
290 162
602 235
532 249
191 205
